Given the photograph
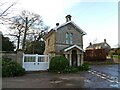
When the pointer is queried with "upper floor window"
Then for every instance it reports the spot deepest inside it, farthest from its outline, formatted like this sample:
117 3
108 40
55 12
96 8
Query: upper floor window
66 38
71 38
48 41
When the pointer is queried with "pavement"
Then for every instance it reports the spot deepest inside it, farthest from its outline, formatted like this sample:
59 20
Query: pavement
100 76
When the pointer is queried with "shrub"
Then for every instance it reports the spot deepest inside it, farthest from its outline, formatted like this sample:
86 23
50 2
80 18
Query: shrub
58 63
84 67
70 70
11 68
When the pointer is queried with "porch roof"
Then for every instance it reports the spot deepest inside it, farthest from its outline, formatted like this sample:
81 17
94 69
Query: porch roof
74 46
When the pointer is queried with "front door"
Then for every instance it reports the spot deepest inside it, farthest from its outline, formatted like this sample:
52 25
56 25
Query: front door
74 58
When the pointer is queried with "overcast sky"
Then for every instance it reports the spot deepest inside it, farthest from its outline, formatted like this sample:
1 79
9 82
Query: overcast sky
97 18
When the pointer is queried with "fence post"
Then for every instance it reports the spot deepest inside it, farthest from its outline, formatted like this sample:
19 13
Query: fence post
36 58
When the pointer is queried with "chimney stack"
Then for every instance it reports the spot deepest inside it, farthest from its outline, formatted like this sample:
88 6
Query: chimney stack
90 44
104 40
68 18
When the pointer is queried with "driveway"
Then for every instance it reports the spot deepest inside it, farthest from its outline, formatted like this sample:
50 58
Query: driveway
100 76
44 80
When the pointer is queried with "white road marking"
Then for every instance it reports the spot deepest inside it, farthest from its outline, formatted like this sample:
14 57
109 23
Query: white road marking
92 72
98 75
104 76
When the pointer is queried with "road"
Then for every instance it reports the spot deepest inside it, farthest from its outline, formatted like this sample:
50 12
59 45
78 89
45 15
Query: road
99 76
103 76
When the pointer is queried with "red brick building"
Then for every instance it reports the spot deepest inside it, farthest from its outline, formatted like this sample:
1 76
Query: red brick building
97 51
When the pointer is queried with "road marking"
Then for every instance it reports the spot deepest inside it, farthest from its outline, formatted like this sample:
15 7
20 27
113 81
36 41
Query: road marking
104 76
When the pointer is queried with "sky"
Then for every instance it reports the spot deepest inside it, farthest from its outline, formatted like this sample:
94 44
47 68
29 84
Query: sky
97 18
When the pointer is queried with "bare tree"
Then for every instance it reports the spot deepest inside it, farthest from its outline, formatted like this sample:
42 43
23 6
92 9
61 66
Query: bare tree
17 28
3 13
27 25
5 10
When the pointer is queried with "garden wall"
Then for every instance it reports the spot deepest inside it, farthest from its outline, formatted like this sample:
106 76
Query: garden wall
15 56
116 58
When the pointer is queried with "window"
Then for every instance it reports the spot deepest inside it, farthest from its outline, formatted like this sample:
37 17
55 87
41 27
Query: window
71 38
66 38
48 41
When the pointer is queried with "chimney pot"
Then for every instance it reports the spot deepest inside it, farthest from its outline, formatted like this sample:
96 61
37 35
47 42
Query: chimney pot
57 24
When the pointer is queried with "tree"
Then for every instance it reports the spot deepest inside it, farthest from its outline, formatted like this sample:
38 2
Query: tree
4 12
7 45
36 47
5 7
17 30
29 26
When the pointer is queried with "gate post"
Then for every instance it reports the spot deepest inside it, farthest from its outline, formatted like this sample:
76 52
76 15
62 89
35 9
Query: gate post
20 57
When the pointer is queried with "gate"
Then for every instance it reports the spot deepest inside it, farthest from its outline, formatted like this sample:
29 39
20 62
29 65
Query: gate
35 62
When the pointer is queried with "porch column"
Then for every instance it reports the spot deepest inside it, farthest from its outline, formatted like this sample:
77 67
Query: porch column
70 60
81 59
78 59
66 55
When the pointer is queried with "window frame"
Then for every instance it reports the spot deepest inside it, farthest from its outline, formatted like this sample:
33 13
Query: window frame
49 41
71 38
67 38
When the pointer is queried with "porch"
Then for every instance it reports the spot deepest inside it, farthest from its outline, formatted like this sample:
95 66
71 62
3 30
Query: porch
75 55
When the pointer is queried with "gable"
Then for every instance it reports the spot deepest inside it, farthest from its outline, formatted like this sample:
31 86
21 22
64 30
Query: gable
74 46
76 27
99 46
70 29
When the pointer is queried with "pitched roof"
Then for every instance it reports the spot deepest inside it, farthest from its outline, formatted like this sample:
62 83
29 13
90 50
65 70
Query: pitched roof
70 22
103 45
57 27
74 46
96 45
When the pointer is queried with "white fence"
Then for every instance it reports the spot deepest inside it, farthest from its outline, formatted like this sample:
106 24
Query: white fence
35 62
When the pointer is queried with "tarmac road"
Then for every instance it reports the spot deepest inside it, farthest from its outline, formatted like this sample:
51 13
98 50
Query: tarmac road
100 76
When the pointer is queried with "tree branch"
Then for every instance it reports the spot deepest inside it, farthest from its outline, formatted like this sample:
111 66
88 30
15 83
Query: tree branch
7 9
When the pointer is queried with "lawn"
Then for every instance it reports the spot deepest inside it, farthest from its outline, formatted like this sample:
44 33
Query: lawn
116 56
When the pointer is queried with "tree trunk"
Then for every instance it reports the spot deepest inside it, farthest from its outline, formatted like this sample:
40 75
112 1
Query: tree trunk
18 42
26 28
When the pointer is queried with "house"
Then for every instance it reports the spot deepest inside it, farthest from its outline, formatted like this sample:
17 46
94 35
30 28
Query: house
102 45
66 39
97 51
